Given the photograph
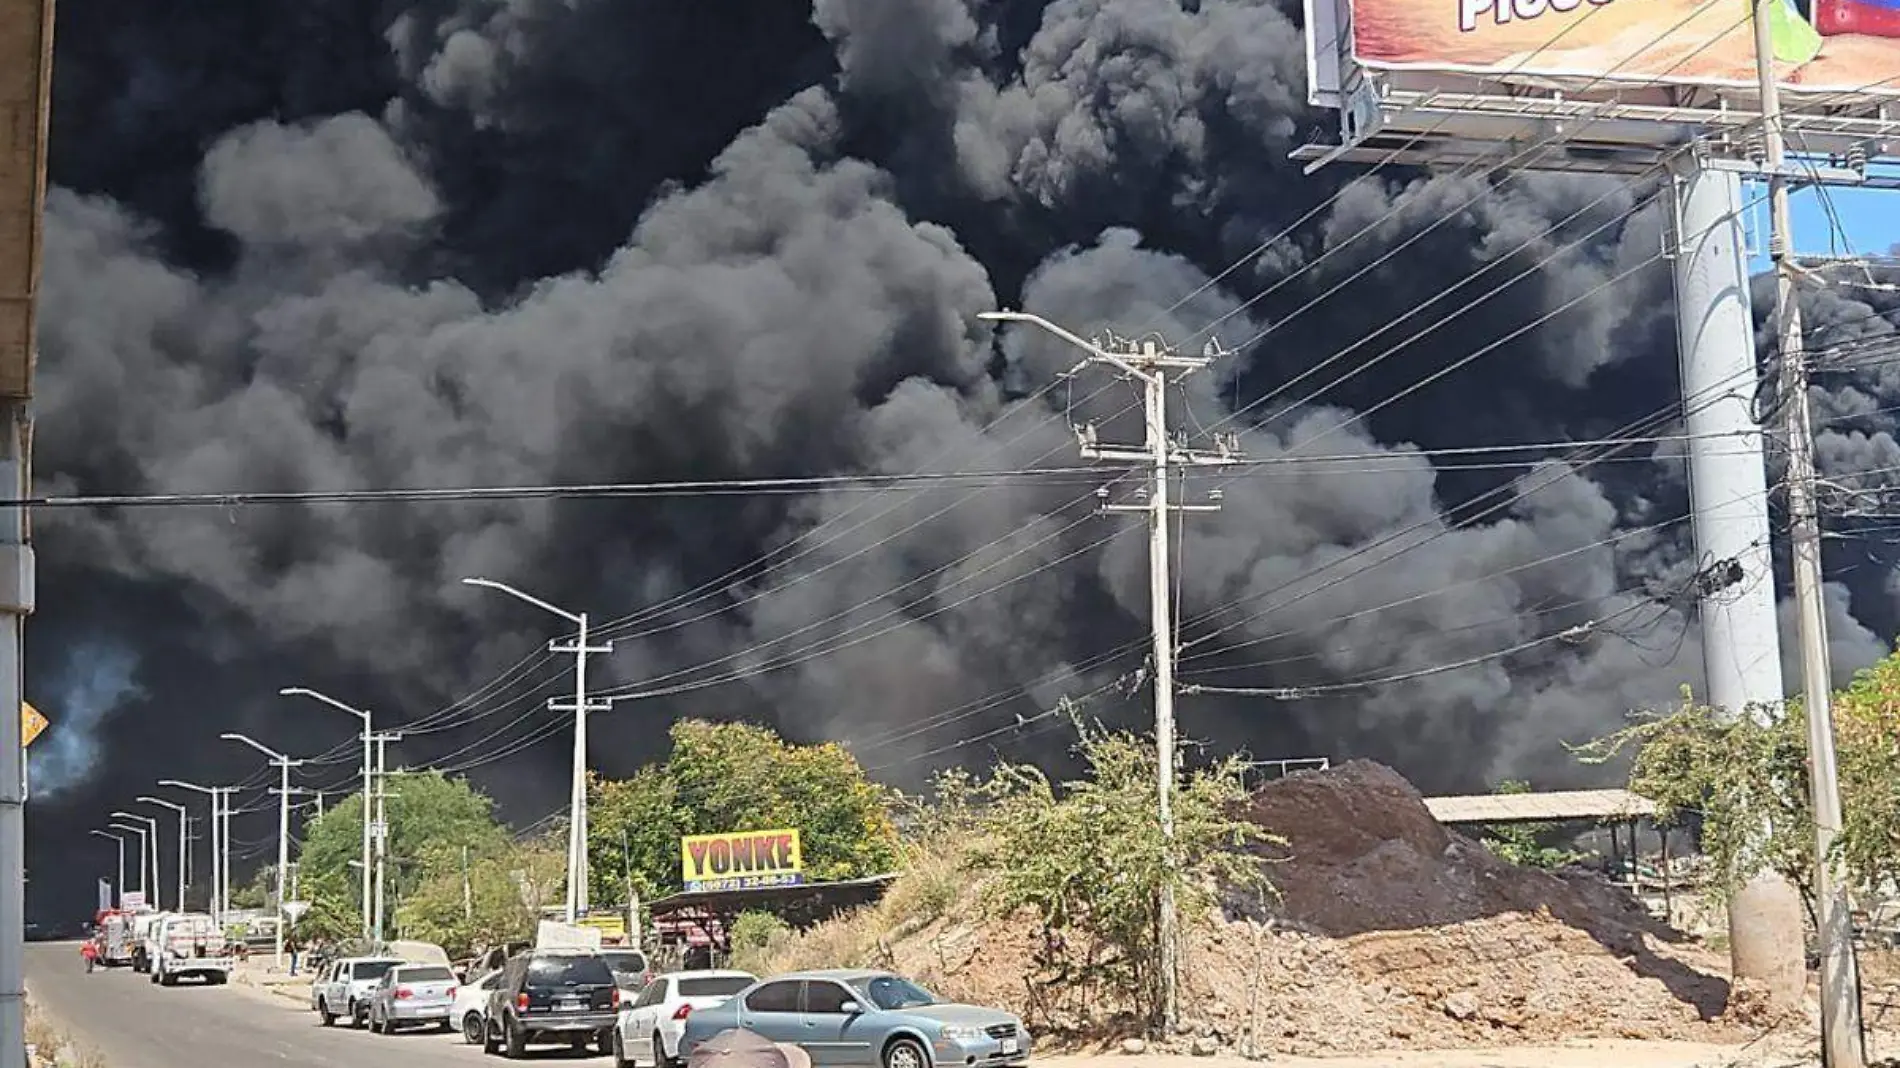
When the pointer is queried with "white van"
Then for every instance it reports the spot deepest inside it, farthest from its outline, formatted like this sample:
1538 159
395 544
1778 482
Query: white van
190 943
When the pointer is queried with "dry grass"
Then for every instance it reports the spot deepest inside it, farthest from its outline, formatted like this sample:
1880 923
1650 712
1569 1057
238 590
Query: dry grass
935 880
53 1047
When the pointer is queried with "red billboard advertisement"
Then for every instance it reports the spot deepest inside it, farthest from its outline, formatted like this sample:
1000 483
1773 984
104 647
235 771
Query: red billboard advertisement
1851 47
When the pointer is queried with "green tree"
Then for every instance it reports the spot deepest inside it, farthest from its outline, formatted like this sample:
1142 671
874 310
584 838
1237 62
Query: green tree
1738 775
1088 858
735 777
432 818
1525 846
495 898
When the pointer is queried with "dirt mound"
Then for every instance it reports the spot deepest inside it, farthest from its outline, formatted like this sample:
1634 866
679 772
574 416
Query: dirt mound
1389 931
1363 853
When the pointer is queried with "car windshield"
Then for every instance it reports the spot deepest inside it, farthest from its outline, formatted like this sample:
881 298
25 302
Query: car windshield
893 992
626 963
569 971
427 974
371 969
718 986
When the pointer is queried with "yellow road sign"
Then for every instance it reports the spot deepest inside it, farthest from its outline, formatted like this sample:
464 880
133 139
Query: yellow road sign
31 724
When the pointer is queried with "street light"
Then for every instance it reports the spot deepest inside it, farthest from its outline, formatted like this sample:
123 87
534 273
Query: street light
151 823
180 809
118 888
369 785
580 706
220 861
144 844
284 764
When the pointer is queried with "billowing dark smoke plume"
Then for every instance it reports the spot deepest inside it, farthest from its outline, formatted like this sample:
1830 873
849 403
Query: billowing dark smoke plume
476 242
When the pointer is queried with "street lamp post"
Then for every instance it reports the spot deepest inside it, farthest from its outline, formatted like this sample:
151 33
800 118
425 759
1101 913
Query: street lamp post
284 764
182 846
369 785
151 824
216 794
580 706
144 844
118 888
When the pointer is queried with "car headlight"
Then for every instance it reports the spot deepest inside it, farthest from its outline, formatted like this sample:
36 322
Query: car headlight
958 1033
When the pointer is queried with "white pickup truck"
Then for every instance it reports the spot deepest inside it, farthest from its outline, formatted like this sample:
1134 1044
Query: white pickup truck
190 943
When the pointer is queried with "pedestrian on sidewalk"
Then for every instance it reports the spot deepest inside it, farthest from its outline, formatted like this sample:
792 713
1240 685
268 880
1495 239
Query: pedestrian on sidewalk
292 947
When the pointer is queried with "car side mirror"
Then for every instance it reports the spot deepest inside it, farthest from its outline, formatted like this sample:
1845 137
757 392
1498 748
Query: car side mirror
850 1008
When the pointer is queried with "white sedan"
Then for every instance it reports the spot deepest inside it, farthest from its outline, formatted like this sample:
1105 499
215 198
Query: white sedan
650 1029
470 1013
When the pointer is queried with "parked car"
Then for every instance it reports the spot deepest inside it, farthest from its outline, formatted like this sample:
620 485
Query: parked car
412 994
649 1031
552 995
630 967
470 1011
865 1018
343 990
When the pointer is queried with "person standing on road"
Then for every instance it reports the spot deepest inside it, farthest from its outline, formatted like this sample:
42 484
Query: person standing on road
292 947
91 953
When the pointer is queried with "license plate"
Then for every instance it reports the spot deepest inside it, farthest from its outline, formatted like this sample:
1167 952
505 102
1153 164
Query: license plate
569 1006
1010 1047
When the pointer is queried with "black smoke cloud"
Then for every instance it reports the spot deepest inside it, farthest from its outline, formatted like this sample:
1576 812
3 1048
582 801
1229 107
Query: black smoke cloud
476 242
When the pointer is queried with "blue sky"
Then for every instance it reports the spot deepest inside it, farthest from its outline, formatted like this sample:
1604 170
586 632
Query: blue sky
1871 218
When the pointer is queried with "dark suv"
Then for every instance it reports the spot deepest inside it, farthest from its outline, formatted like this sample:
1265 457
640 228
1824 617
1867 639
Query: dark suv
552 995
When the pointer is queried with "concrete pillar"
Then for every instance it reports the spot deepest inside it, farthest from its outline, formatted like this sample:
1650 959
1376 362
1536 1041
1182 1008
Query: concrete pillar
1729 496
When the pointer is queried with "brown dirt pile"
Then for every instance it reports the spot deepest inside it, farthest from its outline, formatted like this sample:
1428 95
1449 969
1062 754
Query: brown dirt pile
1389 931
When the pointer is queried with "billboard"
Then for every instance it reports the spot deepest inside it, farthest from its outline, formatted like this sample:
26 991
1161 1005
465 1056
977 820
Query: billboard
1851 47
741 860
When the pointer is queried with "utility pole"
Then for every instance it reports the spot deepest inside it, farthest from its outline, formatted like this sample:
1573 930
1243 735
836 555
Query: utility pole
468 892
1841 1045
380 829
580 706
1149 364
284 764
368 786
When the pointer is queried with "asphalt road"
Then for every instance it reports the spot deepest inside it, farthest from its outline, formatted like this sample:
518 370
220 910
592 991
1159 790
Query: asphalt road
135 1024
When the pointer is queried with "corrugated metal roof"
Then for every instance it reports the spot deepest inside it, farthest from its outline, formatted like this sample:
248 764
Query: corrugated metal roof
1551 807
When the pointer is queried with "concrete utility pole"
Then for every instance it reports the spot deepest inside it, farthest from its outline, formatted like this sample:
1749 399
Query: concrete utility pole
1149 365
144 845
284 764
118 888
1841 1045
150 823
580 706
368 733
380 830
182 846
222 801
1728 494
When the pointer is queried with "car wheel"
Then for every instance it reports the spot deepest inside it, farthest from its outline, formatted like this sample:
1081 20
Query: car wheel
356 1016
473 1032
323 1012
905 1053
660 1059
517 1043
491 1039
607 1041
620 1050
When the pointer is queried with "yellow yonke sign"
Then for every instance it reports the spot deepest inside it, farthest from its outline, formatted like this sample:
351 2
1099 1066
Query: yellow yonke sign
31 724
742 860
